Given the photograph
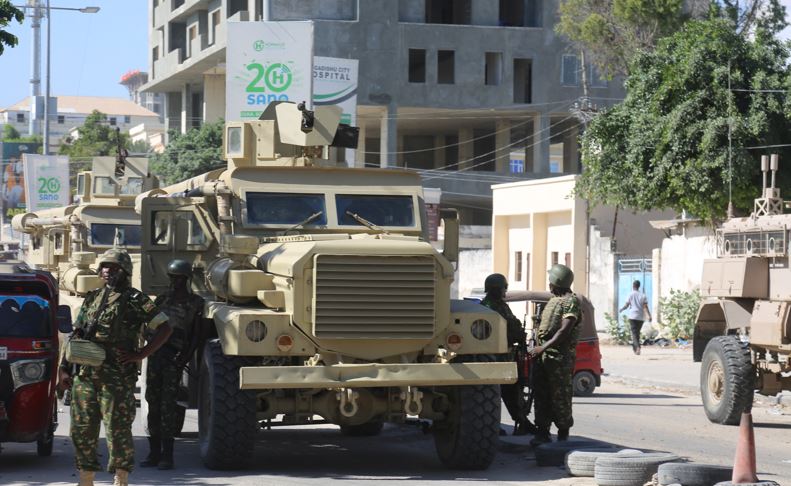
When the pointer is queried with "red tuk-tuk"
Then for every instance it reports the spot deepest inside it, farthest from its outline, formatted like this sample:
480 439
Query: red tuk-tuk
30 319
587 369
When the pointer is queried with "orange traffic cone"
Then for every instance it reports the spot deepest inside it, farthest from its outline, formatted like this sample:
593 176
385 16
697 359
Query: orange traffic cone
744 463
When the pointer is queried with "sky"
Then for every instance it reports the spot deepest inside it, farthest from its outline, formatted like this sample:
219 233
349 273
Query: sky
90 52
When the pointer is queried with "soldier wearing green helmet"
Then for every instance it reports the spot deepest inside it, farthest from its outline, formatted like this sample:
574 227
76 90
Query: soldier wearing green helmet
163 372
112 317
555 355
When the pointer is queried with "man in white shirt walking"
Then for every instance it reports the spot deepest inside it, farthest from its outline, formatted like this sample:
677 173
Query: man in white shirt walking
636 303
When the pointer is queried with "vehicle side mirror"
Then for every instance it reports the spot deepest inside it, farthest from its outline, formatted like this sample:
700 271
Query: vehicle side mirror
450 219
64 319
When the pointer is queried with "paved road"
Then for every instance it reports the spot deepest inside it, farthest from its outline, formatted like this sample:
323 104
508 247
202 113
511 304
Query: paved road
622 414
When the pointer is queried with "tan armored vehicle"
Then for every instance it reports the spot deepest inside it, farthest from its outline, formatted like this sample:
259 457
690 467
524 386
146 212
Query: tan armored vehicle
325 296
66 241
743 329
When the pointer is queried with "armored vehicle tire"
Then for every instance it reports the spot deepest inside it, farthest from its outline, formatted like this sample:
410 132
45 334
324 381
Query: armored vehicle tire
363 430
468 437
691 474
727 380
583 383
227 424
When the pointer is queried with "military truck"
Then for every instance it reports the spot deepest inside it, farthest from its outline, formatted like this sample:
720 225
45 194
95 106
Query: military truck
325 296
743 328
66 240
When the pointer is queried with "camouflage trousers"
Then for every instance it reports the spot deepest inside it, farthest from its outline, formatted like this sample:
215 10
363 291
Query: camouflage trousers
552 392
93 402
162 384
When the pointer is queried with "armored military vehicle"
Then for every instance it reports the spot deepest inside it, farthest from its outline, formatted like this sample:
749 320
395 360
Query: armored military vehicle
66 240
743 328
326 297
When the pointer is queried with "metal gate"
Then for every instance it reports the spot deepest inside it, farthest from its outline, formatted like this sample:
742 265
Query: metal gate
629 270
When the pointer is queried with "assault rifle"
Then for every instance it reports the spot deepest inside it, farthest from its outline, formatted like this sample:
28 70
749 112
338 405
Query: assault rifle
120 155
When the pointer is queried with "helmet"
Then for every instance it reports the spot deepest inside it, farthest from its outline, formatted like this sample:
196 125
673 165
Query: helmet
119 257
180 267
561 276
495 282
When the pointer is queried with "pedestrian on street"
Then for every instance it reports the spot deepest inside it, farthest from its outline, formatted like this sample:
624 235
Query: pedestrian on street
496 285
165 367
113 318
554 357
636 303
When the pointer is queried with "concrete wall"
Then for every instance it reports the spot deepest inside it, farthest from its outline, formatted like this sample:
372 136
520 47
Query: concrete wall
680 260
601 276
473 268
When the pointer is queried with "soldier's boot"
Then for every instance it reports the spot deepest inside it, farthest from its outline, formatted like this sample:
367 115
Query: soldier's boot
155 453
121 477
166 461
563 435
86 478
525 426
542 437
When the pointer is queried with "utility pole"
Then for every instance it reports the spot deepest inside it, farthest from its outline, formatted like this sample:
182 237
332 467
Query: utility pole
35 64
46 98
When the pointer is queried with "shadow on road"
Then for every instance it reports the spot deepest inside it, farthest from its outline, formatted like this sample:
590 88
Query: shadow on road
771 425
631 395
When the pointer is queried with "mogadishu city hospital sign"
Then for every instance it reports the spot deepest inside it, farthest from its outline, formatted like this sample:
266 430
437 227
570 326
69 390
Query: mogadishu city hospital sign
266 62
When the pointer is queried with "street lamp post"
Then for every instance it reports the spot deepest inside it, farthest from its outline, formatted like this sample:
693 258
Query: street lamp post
35 80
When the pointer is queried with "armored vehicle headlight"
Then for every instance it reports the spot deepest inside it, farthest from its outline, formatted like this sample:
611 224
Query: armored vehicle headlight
453 342
481 329
285 342
255 331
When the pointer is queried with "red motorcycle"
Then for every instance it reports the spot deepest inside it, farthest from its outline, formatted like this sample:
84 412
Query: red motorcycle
30 319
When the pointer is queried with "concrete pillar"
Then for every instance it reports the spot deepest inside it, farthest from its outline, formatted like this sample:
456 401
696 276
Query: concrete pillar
502 139
359 156
540 143
186 108
439 151
466 151
213 97
539 252
388 137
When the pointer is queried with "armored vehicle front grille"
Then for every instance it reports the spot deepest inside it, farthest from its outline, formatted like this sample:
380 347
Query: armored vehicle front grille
770 242
373 297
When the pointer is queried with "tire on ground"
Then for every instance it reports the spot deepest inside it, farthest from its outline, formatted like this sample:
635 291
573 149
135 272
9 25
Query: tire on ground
580 463
583 384
45 443
363 430
691 474
227 424
759 483
727 380
629 470
468 437
554 453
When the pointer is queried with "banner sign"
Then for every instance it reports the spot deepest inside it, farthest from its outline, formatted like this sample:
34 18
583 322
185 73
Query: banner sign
12 190
46 181
266 62
335 83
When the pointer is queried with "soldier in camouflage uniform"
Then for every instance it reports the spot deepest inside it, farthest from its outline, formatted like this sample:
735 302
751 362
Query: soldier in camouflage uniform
496 286
163 373
114 318
555 355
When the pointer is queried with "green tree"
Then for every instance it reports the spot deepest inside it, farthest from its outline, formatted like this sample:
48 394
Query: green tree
9 132
666 144
190 154
8 14
96 137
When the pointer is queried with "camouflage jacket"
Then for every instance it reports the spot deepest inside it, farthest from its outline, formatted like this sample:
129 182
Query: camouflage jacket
183 316
117 323
557 309
515 332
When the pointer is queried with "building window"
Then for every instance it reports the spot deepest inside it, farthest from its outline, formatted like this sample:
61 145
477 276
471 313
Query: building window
61 119
20 118
493 69
554 258
518 266
193 32
527 270
449 12
155 54
597 80
417 65
113 121
568 260
215 21
127 119
176 4
512 13
523 80
517 166
446 67
569 70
